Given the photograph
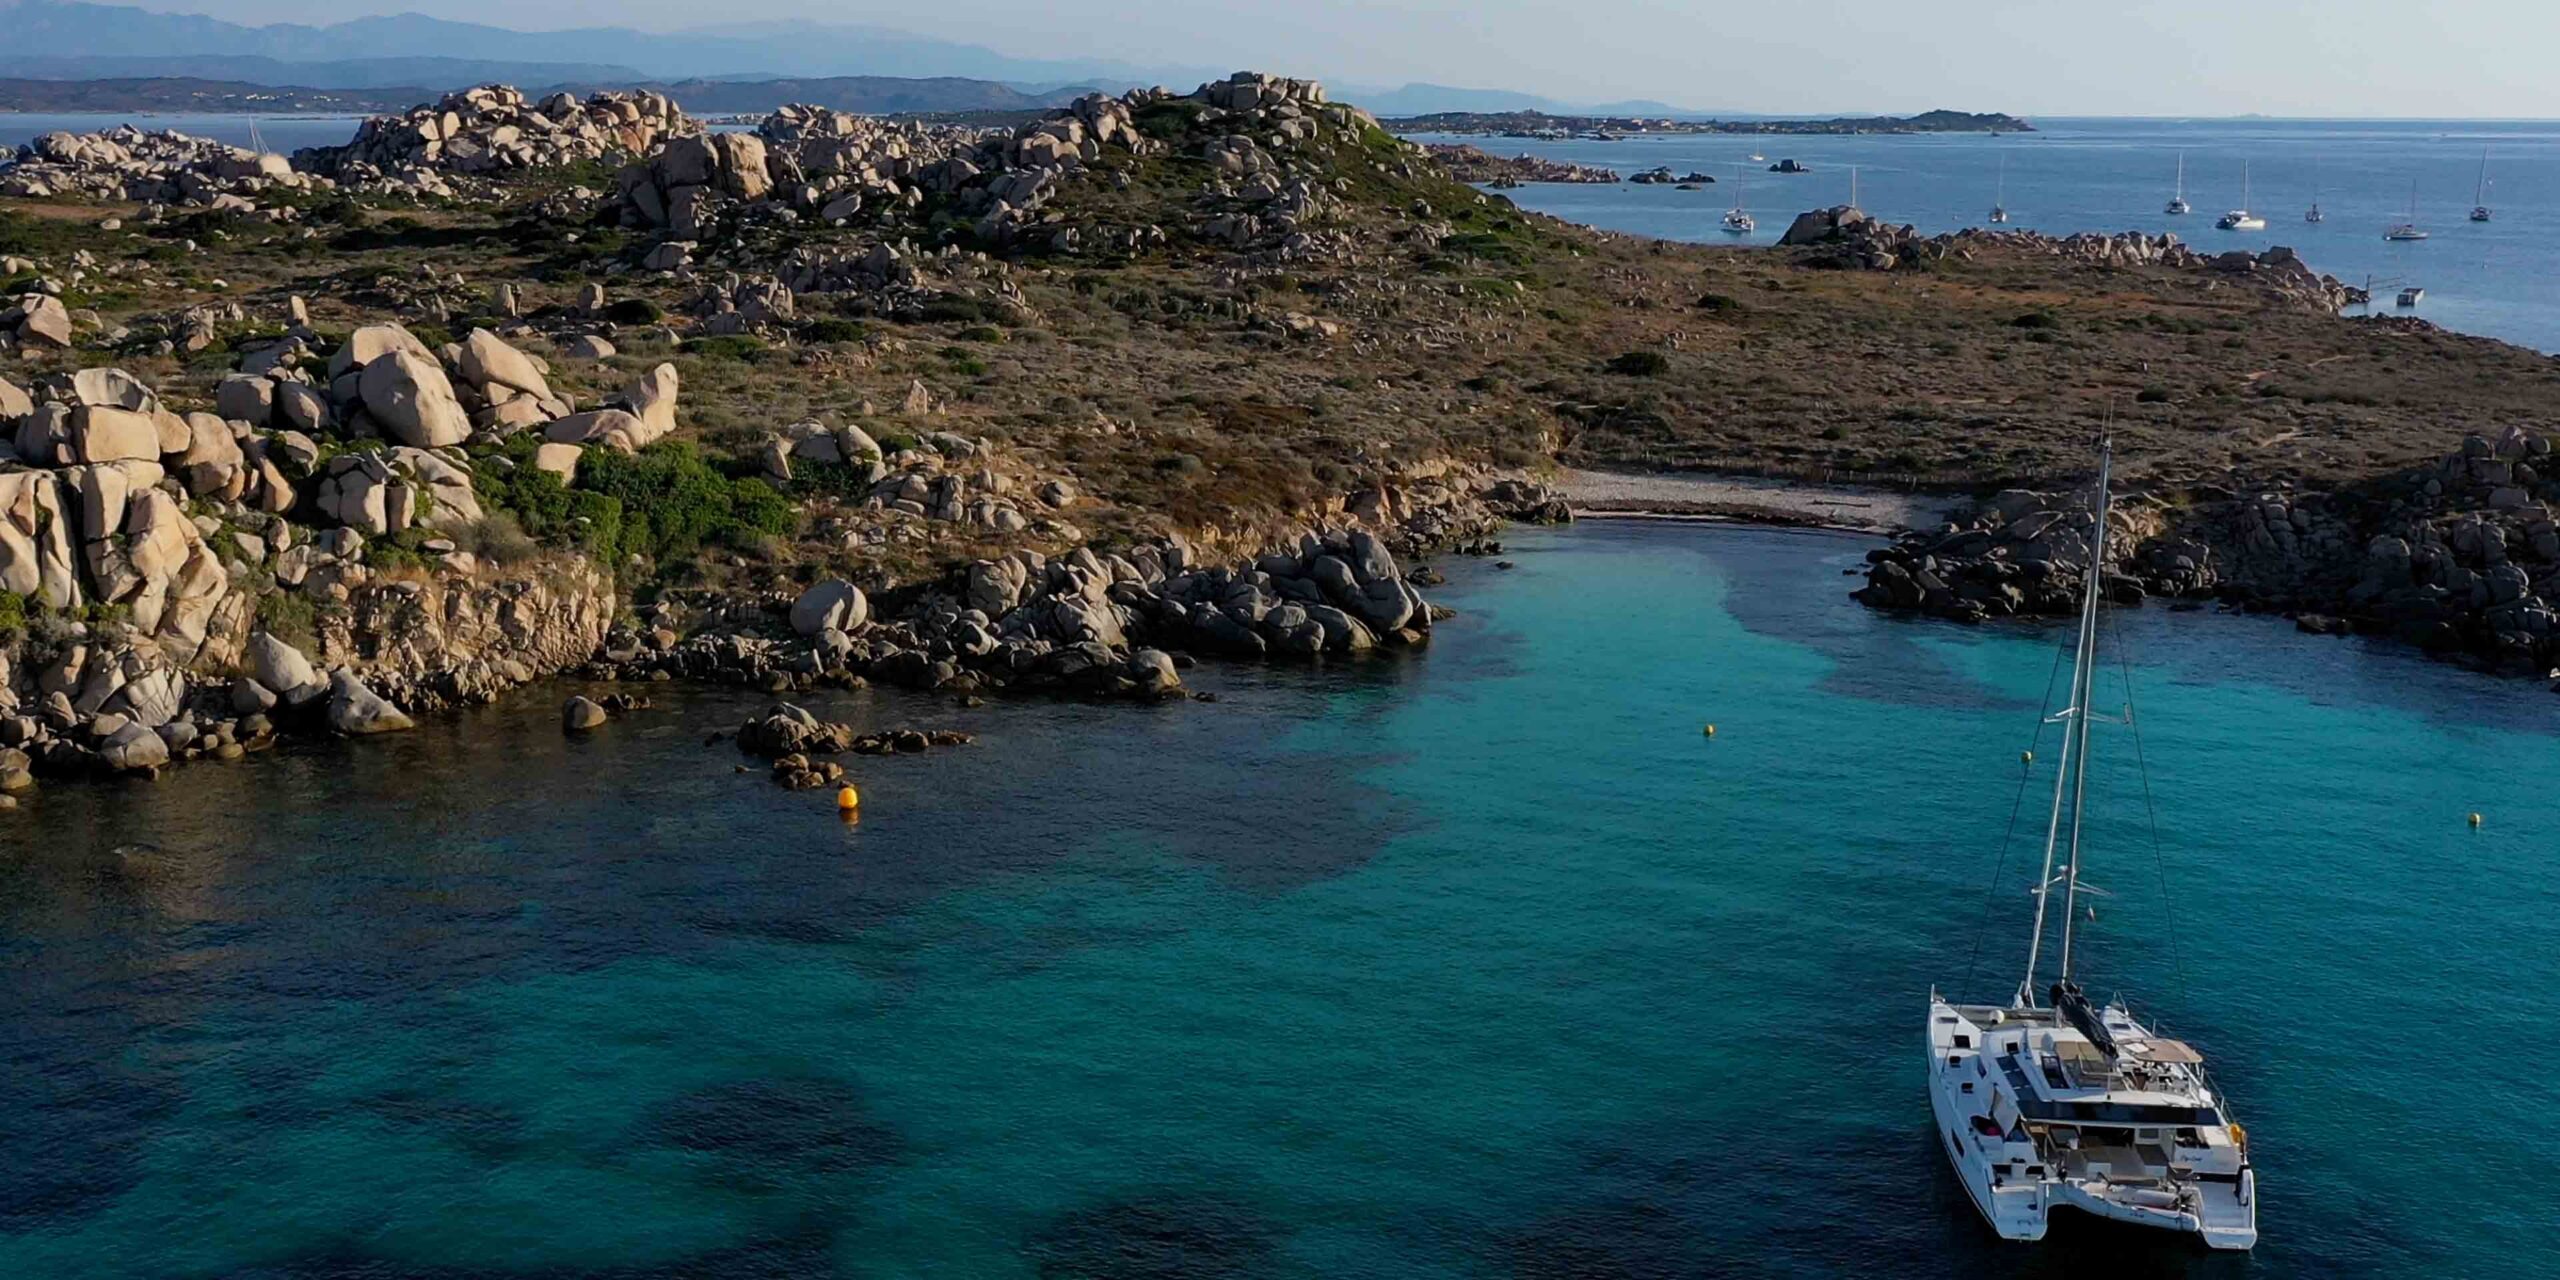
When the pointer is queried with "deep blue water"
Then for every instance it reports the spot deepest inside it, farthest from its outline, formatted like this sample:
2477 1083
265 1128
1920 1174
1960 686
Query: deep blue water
2490 278
1480 962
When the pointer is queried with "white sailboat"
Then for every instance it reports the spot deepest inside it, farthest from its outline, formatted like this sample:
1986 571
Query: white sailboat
2241 219
2178 205
2480 193
2409 230
2067 1103
1738 220
2000 192
2314 215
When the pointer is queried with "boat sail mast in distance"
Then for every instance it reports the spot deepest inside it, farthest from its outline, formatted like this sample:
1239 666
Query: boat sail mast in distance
2241 218
2178 202
1738 220
2000 192
2409 230
2067 1104
2479 192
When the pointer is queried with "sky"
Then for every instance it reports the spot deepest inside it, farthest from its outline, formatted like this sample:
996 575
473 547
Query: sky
2439 58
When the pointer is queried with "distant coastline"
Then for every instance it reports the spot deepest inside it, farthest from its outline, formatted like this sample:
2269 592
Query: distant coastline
1539 124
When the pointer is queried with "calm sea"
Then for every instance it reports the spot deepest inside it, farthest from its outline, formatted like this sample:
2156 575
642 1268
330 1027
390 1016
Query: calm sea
1480 963
281 133
2495 278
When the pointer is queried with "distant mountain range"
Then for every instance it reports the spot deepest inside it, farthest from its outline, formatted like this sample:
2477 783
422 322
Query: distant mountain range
58 34
347 73
74 40
868 95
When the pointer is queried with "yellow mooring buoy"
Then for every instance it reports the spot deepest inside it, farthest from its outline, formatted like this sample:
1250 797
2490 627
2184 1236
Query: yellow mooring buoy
2026 757
848 799
1711 731
2475 819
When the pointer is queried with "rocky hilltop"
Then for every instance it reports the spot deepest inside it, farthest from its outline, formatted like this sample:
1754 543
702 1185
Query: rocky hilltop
506 387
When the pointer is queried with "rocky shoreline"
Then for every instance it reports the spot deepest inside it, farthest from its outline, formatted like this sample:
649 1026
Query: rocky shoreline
164 548
2461 559
1476 165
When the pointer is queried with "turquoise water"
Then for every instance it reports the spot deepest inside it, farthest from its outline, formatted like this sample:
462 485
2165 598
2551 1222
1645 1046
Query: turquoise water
2488 278
1481 963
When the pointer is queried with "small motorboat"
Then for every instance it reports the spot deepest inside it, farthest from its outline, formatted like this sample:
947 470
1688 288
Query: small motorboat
2409 297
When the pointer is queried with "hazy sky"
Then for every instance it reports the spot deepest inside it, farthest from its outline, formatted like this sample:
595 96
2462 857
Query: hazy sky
2146 57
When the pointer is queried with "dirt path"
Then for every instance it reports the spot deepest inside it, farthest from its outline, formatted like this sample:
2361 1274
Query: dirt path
1639 494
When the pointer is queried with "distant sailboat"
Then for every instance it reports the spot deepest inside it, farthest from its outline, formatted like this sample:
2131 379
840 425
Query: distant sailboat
2480 193
2315 215
2178 203
2241 219
2000 192
1737 220
2409 230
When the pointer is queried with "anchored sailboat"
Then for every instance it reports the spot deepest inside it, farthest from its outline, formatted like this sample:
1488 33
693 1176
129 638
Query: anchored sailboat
2000 192
2409 230
2178 203
2315 215
2480 192
1737 220
2241 219
2072 1103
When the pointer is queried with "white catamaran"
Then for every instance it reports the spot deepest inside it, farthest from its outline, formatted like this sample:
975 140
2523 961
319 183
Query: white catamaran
2066 1103
2241 219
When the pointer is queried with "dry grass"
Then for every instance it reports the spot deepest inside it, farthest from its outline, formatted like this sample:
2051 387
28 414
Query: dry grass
1163 387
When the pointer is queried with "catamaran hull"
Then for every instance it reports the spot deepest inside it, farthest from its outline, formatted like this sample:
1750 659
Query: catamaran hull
2013 1186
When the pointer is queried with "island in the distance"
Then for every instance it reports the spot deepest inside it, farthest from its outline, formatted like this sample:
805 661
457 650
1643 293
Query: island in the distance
1539 124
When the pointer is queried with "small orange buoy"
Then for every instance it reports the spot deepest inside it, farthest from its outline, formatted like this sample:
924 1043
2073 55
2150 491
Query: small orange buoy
848 799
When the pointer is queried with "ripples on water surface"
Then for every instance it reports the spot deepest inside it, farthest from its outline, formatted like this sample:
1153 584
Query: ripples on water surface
1484 963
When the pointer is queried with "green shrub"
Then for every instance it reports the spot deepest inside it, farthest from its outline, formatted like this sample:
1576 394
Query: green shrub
498 537
2037 320
1720 304
2152 395
633 311
981 333
948 309
727 346
670 503
289 616
13 613
1641 364
834 329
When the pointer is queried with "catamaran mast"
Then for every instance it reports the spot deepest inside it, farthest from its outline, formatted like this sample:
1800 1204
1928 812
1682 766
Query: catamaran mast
2070 779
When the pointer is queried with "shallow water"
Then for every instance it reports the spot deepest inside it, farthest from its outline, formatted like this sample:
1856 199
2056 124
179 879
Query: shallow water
1481 962
2116 175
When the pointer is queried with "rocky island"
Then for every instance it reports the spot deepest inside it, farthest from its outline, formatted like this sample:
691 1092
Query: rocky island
508 387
